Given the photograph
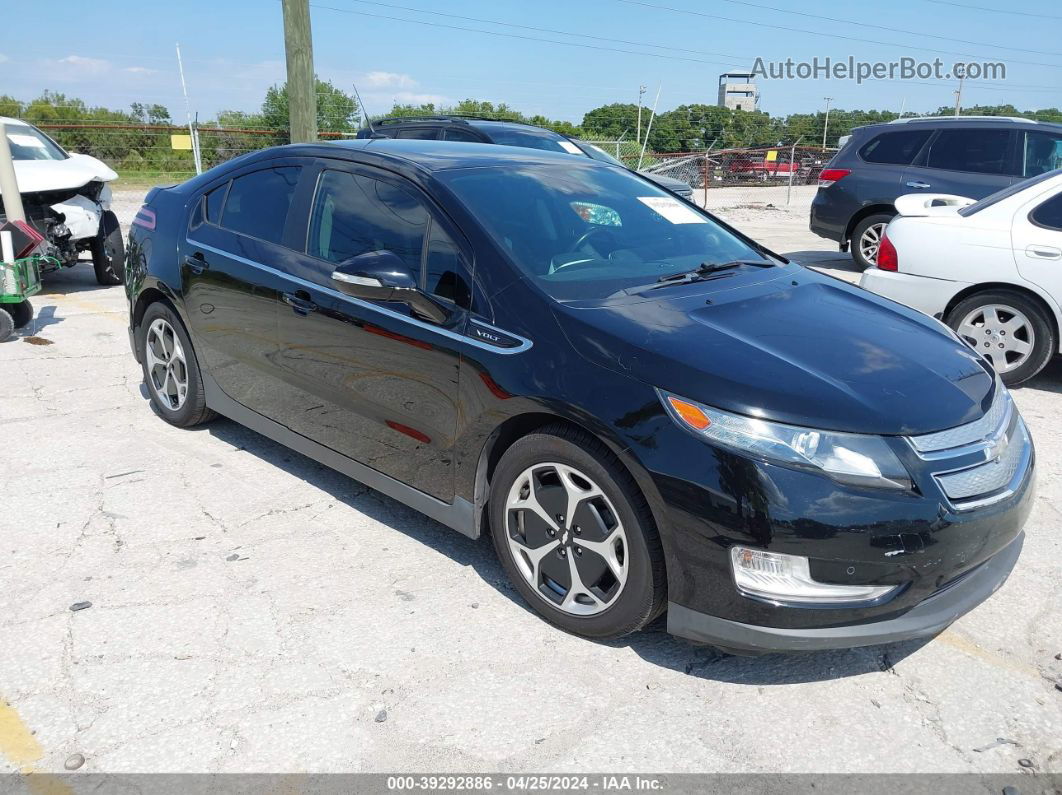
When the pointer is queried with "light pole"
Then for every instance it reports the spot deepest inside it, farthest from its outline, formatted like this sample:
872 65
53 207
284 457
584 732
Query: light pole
826 124
638 136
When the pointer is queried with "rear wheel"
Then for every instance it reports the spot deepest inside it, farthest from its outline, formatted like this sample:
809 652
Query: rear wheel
171 371
866 239
21 313
108 251
575 535
1009 329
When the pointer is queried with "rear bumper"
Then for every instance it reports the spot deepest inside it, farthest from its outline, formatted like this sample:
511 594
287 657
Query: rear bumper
927 295
925 619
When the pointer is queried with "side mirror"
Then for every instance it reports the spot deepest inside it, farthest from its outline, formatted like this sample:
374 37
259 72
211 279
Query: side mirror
383 276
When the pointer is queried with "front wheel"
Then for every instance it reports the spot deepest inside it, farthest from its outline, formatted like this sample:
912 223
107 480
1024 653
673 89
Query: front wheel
1009 329
866 239
108 251
575 535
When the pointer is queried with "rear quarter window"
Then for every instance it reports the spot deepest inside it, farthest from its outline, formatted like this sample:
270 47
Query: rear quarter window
896 148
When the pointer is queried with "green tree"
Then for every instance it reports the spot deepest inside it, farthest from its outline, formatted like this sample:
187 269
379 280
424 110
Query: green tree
337 111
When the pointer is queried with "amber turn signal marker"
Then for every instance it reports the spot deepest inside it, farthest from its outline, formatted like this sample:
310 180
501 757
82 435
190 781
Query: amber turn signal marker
689 413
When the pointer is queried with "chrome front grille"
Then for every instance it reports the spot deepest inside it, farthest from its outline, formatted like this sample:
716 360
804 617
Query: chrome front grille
981 462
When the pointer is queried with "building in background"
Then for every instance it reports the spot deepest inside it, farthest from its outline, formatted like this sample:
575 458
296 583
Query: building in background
737 91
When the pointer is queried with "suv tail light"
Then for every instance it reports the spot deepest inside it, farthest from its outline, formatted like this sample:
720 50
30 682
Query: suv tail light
828 176
887 257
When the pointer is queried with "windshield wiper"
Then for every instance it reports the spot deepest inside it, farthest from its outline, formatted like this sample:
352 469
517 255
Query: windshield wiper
706 268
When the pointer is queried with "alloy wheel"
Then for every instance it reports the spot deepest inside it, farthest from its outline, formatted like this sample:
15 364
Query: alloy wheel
870 242
166 365
1001 334
566 538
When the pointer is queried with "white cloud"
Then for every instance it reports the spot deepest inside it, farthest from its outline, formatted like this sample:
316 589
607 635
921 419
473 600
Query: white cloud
387 80
83 65
139 70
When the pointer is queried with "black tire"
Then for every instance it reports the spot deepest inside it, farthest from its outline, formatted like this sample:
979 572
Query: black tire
643 596
108 251
1044 342
193 411
877 220
7 323
21 313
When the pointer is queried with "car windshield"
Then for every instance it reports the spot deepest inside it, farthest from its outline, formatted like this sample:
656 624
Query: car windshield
530 138
598 153
588 232
29 143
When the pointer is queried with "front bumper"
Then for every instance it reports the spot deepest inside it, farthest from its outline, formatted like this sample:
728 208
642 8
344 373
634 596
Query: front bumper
927 295
925 619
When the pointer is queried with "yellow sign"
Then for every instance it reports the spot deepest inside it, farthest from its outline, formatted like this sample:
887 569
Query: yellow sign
181 142
772 155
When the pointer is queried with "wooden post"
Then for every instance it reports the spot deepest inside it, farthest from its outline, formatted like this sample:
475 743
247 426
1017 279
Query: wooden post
302 83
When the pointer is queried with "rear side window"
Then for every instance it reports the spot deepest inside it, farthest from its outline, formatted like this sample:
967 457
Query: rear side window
257 203
897 148
421 133
979 151
1048 214
457 134
1042 152
353 214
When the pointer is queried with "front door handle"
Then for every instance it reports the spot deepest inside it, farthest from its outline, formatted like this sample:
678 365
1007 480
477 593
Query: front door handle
917 183
300 302
196 263
1043 252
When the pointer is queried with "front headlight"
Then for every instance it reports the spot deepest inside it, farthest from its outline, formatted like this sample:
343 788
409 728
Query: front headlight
852 458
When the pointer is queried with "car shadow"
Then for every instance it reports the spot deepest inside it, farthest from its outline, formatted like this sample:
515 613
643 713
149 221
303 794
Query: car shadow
77 279
1048 380
653 644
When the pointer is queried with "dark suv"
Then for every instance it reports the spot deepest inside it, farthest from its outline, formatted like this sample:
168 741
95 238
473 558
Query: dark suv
964 155
644 409
506 133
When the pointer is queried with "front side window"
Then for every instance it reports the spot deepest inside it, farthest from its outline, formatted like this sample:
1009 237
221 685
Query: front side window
1048 214
354 214
419 133
896 148
979 151
588 232
257 203
458 134
1042 152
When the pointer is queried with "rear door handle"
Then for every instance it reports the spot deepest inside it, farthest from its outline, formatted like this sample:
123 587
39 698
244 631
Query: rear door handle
300 302
196 263
917 183
1043 252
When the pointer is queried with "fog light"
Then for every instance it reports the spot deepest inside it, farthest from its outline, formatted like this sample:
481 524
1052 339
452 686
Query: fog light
787 579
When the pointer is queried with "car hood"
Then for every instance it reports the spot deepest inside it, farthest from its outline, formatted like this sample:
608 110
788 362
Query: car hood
790 345
670 183
38 176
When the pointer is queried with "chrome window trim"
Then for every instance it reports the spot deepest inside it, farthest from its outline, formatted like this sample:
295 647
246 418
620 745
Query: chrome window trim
524 343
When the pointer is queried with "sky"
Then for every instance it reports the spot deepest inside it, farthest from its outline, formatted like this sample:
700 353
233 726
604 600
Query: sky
555 57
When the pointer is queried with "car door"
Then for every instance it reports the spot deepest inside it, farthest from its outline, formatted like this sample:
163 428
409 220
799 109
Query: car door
1037 239
235 240
965 161
373 381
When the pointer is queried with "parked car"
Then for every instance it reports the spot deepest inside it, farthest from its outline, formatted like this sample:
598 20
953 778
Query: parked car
507 133
962 155
66 198
645 409
760 166
991 269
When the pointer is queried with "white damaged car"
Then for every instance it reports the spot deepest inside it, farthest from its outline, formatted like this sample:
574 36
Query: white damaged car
990 269
66 198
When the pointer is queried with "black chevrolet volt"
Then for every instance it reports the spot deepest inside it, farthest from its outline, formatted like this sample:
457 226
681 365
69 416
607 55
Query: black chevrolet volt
644 409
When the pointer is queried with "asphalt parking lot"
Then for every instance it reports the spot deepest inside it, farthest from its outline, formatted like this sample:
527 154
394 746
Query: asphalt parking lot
252 610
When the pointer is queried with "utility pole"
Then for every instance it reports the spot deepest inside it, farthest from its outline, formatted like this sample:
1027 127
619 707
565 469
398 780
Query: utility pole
638 136
826 123
302 84
193 132
958 93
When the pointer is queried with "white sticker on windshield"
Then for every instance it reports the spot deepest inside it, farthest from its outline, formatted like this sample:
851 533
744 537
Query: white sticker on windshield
672 209
570 148
25 140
